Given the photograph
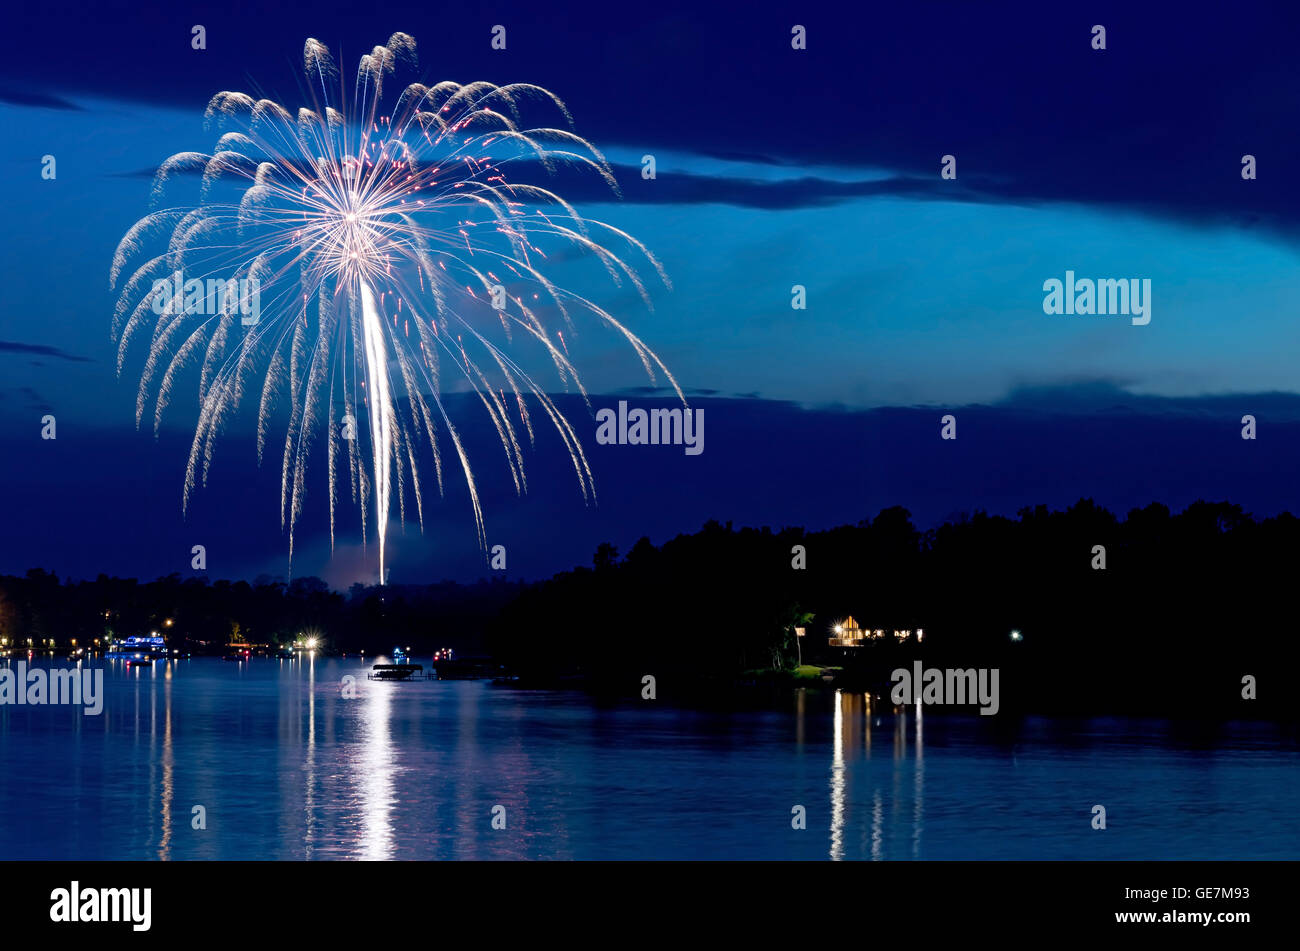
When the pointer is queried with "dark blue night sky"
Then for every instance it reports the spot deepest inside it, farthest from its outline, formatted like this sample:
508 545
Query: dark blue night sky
776 167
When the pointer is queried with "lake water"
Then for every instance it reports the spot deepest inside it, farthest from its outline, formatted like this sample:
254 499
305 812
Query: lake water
287 768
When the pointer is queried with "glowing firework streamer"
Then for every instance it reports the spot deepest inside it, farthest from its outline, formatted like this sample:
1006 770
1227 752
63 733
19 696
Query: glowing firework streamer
388 248
381 411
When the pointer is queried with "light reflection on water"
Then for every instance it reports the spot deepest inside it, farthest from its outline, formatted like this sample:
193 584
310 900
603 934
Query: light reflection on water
851 731
372 766
286 767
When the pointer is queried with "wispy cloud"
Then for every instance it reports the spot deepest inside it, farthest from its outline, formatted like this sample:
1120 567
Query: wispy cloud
40 349
37 100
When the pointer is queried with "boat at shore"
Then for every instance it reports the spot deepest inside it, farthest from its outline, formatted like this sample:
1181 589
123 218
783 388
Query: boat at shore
138 648
398 672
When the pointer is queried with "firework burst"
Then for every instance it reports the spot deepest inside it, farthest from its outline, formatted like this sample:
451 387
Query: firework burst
389 252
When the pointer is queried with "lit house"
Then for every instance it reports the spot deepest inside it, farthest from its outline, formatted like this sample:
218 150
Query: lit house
847 633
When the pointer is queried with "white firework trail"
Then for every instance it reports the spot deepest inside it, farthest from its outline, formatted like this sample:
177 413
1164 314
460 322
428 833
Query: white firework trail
388 247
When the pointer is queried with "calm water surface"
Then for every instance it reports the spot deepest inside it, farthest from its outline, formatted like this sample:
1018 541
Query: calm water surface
286 768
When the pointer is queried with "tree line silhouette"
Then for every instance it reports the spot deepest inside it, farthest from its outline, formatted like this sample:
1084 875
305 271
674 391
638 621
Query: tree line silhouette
1186 607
